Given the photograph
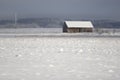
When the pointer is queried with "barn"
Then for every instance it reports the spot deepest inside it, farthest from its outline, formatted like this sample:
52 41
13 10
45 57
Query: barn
77 26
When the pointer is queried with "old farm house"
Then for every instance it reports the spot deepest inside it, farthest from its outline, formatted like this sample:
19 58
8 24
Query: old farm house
78 26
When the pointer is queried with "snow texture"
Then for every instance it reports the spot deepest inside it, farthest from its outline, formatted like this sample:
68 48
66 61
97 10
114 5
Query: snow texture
60 58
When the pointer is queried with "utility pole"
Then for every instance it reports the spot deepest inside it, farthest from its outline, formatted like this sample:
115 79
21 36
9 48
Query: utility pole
15 19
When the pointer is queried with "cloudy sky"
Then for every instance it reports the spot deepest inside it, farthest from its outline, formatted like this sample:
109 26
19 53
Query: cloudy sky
99 9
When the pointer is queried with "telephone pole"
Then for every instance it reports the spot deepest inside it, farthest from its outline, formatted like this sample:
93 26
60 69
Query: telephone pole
15 19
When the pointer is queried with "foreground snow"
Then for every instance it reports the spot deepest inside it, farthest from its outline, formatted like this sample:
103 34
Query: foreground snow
60 58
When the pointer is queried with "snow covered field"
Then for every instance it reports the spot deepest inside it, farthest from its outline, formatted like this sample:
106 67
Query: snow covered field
60 58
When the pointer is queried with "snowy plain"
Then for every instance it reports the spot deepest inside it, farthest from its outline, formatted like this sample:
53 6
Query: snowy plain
60 58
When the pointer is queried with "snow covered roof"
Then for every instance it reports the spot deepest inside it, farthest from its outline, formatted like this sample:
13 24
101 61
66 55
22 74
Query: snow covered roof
79 24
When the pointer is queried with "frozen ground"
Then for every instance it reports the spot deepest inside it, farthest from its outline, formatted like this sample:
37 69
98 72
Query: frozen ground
60 58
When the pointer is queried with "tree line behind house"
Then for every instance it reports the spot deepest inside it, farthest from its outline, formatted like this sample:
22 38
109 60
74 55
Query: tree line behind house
53 23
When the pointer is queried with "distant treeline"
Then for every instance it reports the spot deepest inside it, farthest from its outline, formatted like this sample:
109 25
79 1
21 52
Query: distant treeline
54 23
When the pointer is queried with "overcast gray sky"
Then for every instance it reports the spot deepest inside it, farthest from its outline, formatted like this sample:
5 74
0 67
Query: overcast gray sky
99 9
